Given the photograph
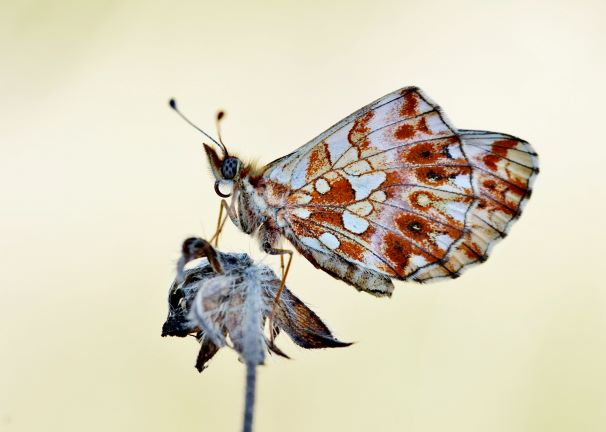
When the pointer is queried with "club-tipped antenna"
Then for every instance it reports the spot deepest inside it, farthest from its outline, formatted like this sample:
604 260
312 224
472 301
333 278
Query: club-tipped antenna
173 104
220 115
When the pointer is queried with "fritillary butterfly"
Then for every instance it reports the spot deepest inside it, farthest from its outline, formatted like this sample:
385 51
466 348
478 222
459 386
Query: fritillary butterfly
393 191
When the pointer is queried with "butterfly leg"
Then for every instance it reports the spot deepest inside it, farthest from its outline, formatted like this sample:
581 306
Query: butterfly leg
230 211
219 225
282 265
269 234
281 252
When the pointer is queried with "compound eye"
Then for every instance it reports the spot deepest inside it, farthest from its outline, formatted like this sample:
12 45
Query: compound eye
229 168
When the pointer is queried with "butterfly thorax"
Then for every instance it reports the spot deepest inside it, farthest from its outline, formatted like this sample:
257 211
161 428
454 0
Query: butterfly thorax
253 209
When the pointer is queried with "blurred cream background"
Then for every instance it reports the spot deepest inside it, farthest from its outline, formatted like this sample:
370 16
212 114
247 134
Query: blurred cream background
101 182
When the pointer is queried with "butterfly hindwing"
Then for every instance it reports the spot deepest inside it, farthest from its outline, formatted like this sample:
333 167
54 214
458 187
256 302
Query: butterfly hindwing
504 169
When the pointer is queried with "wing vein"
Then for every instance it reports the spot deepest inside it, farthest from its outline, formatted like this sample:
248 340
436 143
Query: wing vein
481 147
425 187
500 178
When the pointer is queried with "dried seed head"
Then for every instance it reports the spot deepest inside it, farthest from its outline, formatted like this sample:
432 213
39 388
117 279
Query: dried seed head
225 299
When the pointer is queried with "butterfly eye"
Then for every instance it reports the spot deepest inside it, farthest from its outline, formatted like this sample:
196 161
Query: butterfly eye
229 168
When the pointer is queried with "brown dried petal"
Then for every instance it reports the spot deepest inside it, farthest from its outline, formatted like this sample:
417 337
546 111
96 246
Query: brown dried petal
303 326
273 348
207 350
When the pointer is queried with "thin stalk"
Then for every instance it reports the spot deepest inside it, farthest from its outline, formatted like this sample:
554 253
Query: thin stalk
249 396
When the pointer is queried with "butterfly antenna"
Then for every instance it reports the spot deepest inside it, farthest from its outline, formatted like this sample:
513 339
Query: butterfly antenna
173 105
220 115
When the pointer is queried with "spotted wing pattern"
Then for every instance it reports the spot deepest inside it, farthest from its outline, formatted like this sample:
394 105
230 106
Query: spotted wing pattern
395 191
504 168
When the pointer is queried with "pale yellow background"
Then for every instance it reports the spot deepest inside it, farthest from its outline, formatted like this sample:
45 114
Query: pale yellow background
101 182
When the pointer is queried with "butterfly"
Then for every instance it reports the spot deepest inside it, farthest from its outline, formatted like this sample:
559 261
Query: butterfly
393 191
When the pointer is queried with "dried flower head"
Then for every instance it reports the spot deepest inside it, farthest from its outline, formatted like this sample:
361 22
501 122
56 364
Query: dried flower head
224 299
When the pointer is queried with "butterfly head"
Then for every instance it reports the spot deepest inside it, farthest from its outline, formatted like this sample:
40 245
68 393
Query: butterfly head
225 168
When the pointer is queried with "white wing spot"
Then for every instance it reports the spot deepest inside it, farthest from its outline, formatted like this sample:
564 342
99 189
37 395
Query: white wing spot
378 196
330 241
331 176
279 175
336 148
361 208
423 200
309 188
322 186
301 198
463 181
303 213
363 185
455 151
358 168
313 243
436 125
418 260
350 156
354 223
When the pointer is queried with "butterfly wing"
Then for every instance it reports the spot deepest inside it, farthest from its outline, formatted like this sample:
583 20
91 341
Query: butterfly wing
504 170
389 192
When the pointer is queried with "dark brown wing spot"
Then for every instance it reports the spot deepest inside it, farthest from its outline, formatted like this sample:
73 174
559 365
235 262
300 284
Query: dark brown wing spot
404 132
340 192
398 251
351 249
433 175
409 107
415 227
472 250
412 226
360 128
422 153
422 126
498 150
327 217
490 184
439 175
491 161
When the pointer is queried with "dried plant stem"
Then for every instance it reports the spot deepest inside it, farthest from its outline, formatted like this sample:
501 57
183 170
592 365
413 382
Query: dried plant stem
249 403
